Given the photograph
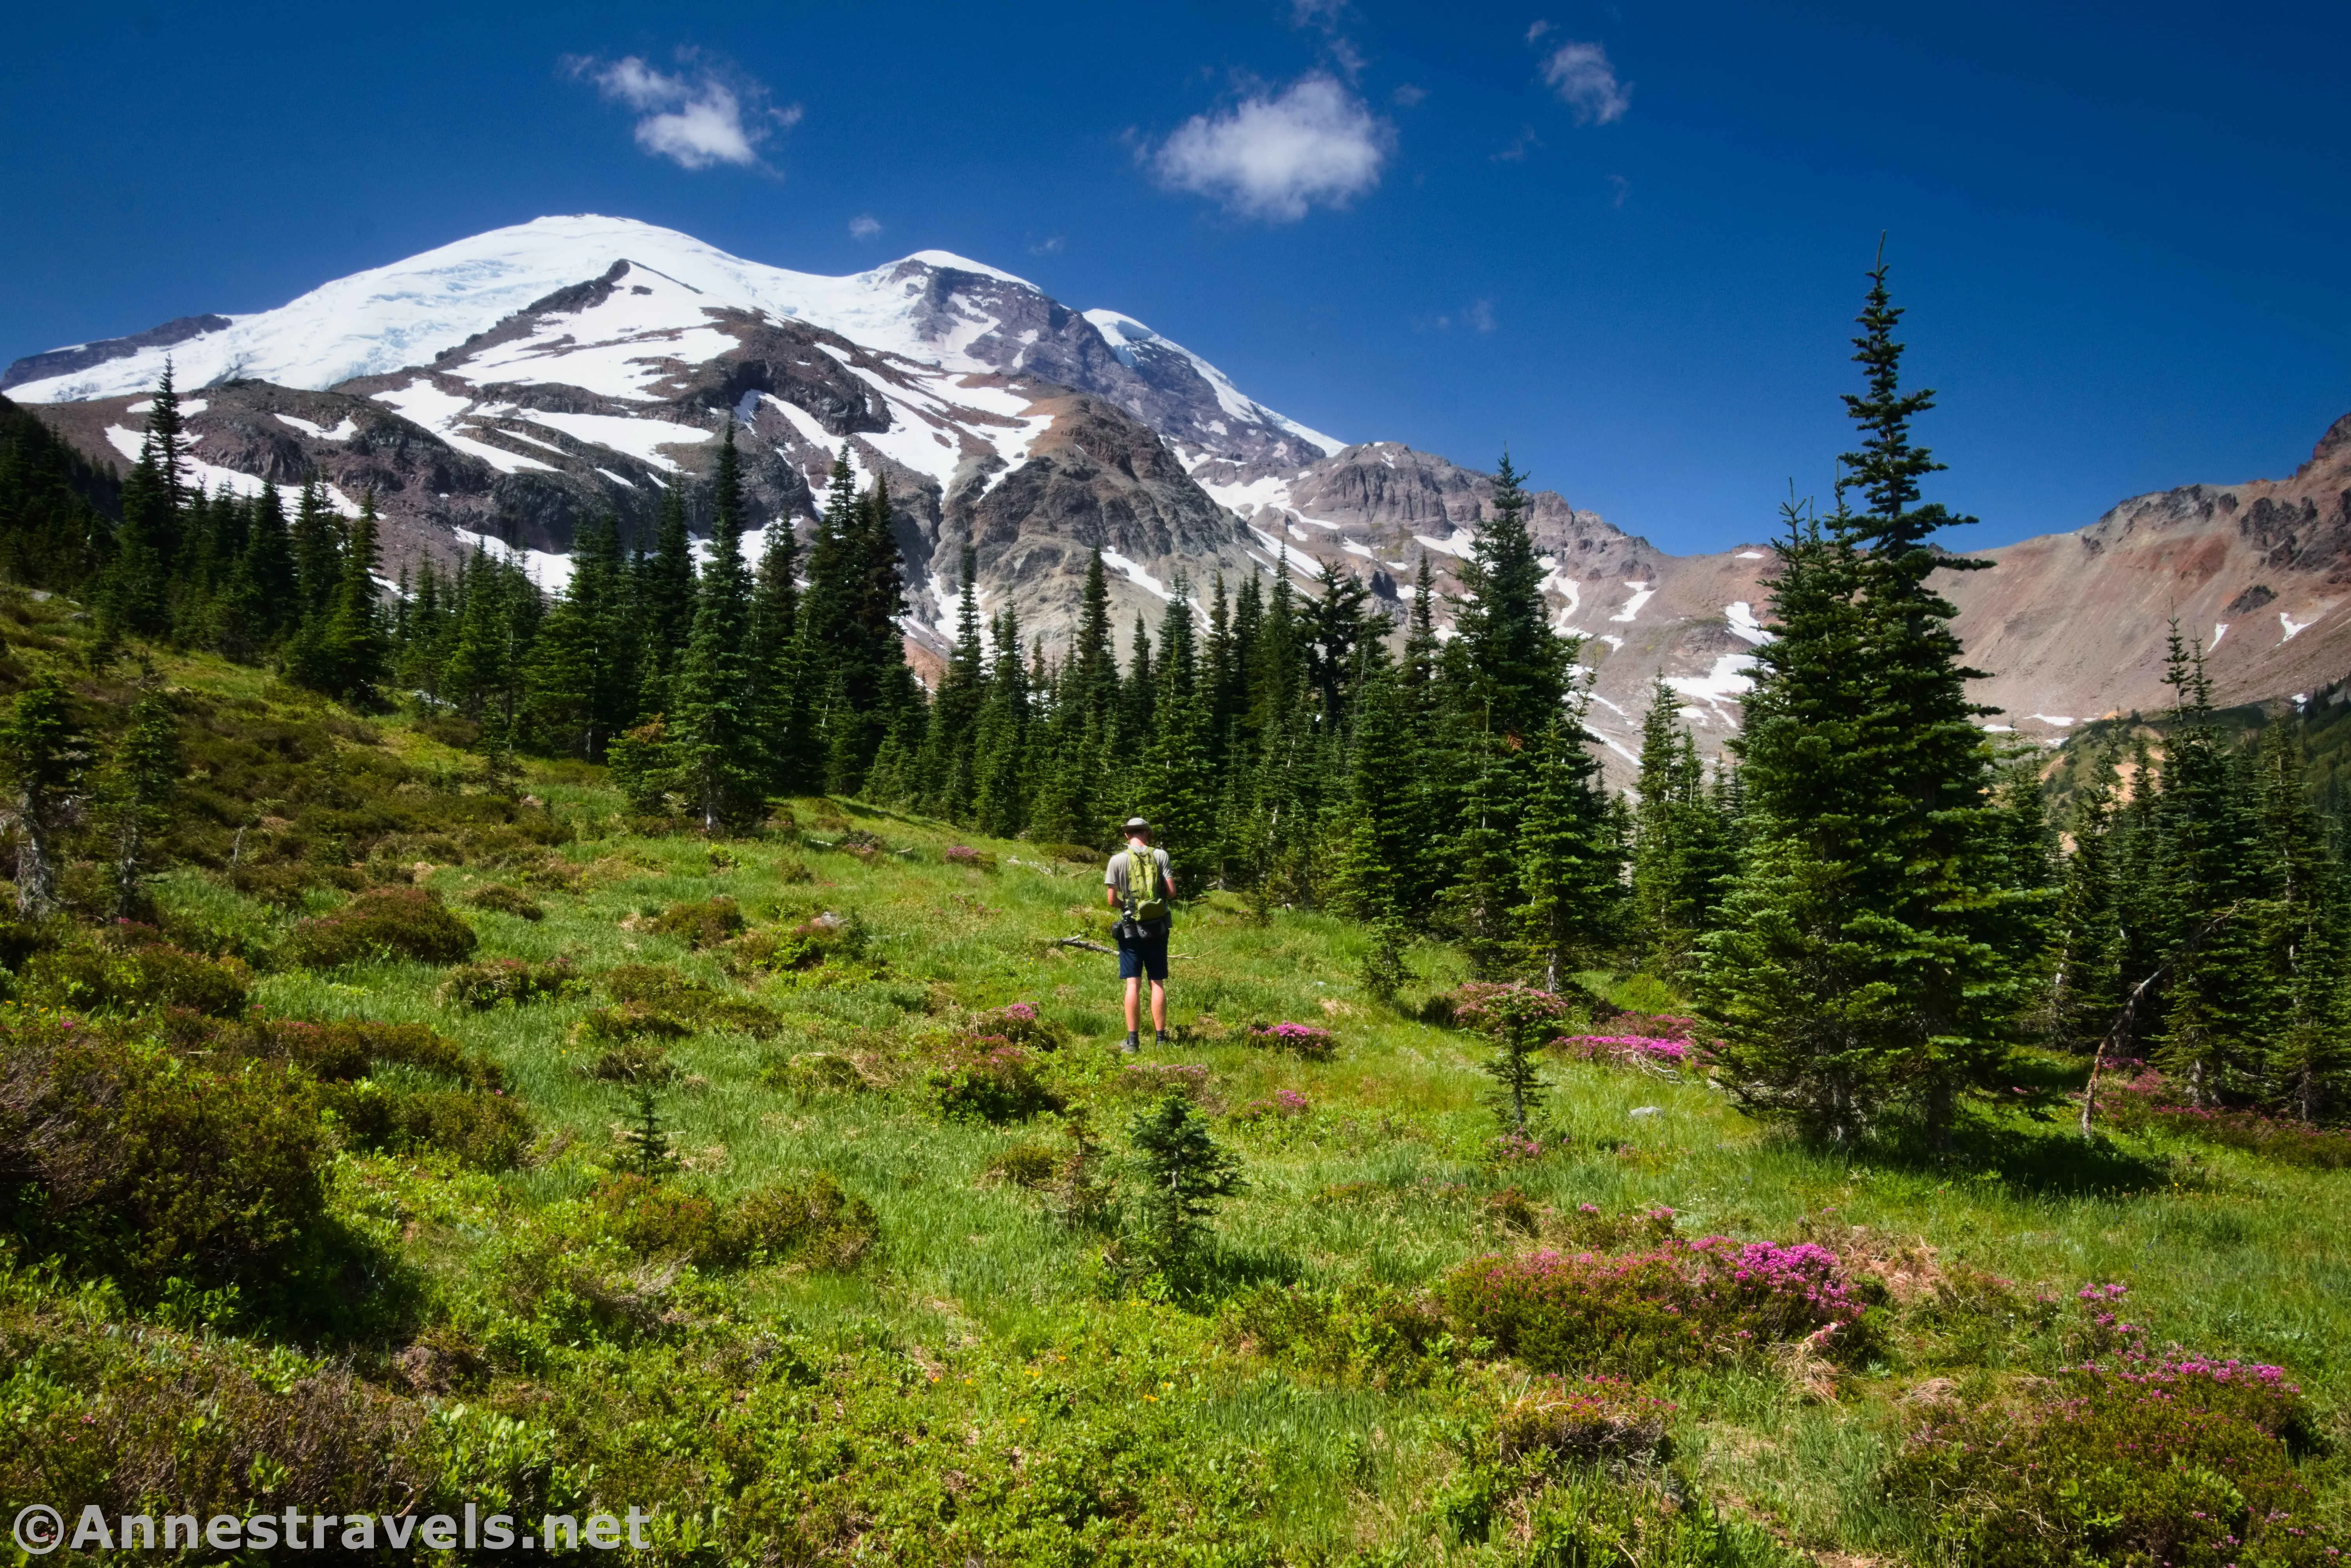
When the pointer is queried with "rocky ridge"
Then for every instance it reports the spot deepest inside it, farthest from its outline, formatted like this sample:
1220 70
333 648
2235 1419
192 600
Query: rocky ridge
499 391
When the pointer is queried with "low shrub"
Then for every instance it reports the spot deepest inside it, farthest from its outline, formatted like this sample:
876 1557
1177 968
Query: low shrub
628 1022
500 899
1024 1165
991 1079
634 1062
965 855
1628 1050
2134 1097
815 1074
346 1049
1486 1006
656 989
508 983
134 971
1019 1023
1586 1227
821 939
1679 1303
486 1129
1303 1041
1287 1104
1588 1419
814 1224
2135 1459
1190 1079
1365 1333
705 922
384 922
147 1167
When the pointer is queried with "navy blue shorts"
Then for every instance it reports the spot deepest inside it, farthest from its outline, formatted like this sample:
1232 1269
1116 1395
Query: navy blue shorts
1144 953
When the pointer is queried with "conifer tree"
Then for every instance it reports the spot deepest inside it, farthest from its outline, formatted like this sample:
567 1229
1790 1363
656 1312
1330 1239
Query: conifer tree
1571 856
1866 969
43 756
949 767
1001 748
1183 1173
136 597
1680 841
2216 996
779 669
1074 799
2087 953
716 735
2305 938
1515 663
353 648
318 555
140 778
665 604
482 671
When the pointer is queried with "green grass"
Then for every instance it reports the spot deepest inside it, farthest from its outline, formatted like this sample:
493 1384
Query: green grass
1381 1181
978 1298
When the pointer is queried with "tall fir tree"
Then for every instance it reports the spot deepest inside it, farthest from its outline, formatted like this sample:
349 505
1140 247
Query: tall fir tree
715 731
1867 970
665 607
1571 855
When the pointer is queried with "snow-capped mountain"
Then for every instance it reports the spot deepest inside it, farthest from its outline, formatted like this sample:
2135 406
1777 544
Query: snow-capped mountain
503 389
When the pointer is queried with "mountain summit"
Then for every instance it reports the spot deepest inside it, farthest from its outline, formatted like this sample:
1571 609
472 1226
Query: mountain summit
499 391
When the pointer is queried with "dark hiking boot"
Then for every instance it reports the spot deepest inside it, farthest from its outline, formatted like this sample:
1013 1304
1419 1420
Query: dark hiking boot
1131 1045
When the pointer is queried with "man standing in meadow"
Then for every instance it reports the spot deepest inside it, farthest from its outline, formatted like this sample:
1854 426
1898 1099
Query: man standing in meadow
1138 884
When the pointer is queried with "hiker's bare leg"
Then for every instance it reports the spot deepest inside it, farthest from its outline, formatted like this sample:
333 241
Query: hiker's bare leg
1134 1003
1158 1006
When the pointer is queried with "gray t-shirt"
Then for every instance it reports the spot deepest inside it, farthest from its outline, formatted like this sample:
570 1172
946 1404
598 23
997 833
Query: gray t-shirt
1116 875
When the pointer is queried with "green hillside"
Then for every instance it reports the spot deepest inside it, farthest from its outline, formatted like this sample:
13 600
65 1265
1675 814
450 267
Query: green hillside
887 1302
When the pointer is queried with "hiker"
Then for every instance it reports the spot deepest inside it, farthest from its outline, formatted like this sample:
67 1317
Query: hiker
1138 886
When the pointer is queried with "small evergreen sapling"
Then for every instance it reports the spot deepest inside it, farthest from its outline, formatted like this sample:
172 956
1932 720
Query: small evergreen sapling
1524 1019
1184 1174
144 773
649 1147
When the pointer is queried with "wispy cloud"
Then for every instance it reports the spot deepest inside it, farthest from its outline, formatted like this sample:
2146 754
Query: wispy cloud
1051 245
1619 188
1478 316
1407 95
1272 157
1524 142
1585 80
864 225
700 116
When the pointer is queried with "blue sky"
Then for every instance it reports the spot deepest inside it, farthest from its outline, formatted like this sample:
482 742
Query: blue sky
1625 240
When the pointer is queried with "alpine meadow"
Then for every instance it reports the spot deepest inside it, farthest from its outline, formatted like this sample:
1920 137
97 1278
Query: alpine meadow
643 1047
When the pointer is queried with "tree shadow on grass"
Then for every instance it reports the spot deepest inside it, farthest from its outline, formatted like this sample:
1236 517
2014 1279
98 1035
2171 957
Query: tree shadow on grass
2051 1161
1218 1272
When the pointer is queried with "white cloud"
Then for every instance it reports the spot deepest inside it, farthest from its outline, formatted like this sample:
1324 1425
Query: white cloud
864 225
695 117
1274 157
1537 31
1408 96
1479 316
1586 83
